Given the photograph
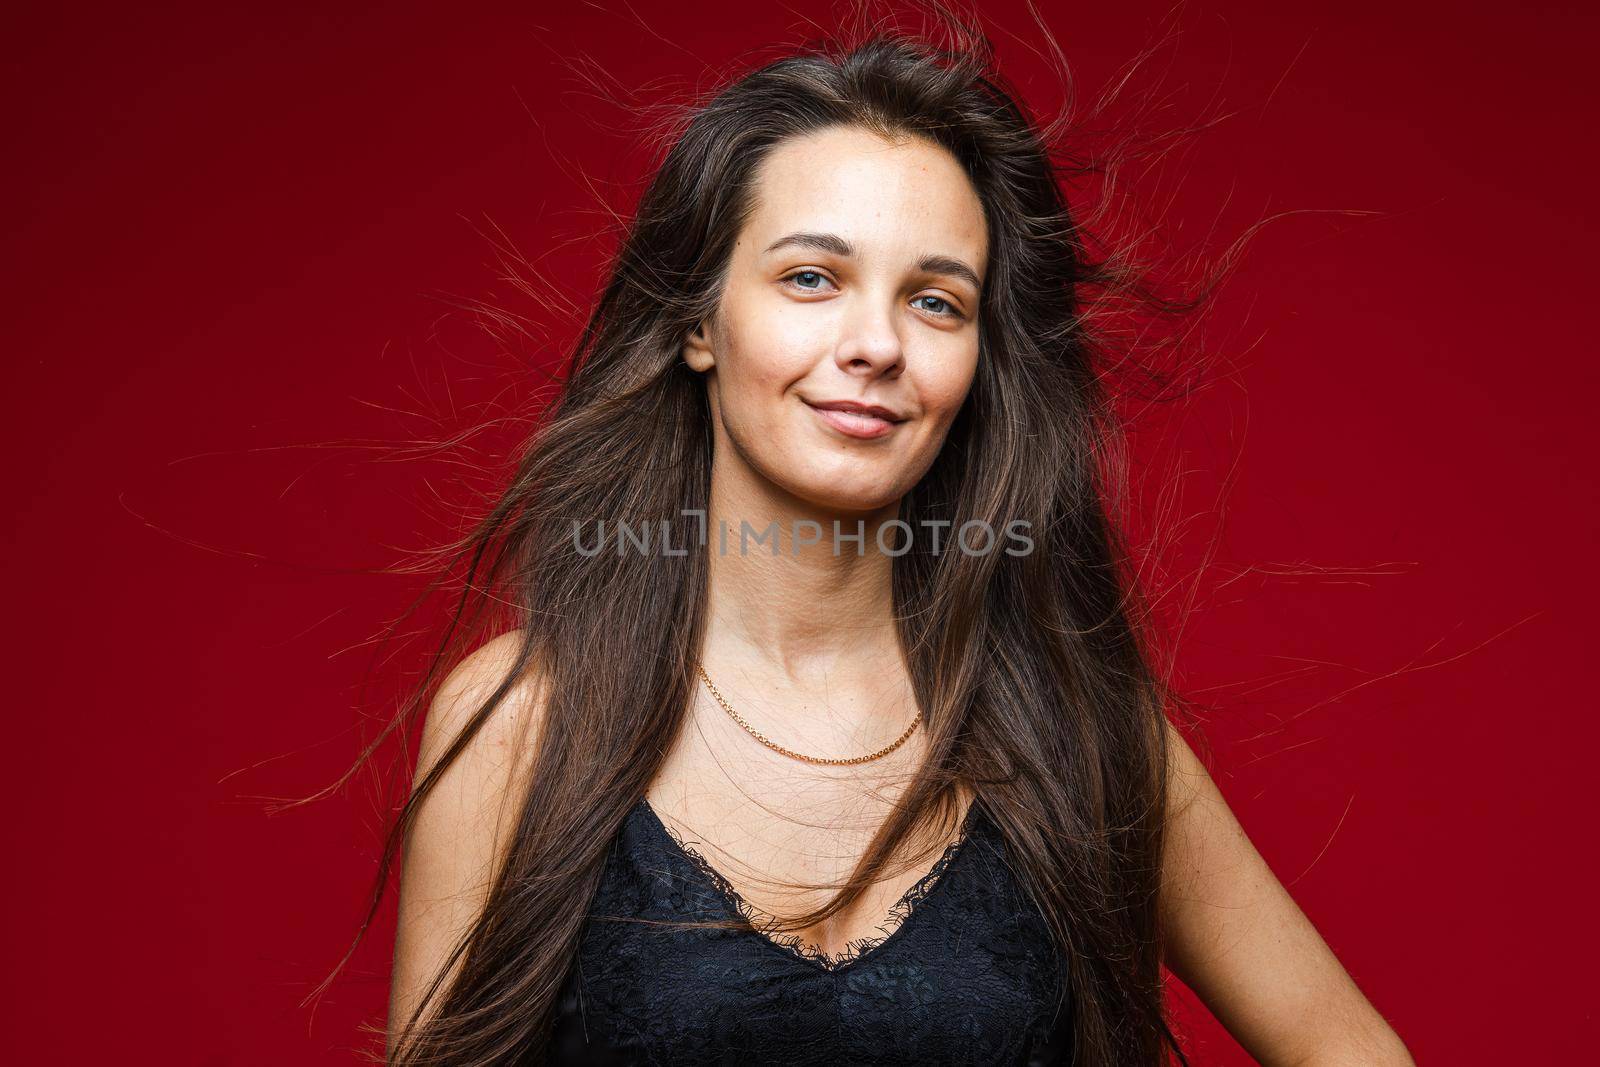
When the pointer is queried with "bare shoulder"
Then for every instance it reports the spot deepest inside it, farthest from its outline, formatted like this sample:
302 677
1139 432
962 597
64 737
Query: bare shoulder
510 727
463 825
1187 777
1235 936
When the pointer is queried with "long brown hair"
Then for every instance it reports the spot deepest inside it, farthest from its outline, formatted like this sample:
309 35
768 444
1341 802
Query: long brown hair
1034 672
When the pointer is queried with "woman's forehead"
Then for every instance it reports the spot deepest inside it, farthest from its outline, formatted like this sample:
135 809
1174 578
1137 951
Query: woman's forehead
881 198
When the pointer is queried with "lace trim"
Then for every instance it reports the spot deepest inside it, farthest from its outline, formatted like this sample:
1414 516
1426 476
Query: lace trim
765 926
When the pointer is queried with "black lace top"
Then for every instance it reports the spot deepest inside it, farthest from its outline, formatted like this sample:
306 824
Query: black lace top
962 974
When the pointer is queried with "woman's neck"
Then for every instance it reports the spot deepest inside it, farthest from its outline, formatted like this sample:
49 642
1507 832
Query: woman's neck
821 609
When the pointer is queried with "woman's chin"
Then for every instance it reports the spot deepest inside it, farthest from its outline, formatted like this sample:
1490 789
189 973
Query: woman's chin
848 500
851 490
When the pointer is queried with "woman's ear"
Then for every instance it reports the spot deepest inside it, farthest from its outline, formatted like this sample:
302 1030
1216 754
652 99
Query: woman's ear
697 349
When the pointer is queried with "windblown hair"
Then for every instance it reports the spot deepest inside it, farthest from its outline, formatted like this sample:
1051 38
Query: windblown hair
1034 673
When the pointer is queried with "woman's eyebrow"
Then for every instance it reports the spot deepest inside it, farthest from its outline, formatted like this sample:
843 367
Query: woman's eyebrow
832 242
951 266
822 242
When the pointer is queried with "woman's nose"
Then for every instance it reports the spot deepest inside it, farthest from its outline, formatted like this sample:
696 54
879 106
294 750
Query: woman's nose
871 342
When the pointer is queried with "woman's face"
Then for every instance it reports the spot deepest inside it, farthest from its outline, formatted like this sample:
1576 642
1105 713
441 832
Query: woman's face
856 281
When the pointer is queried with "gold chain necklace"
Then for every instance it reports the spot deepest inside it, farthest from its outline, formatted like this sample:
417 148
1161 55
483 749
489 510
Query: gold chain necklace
795 755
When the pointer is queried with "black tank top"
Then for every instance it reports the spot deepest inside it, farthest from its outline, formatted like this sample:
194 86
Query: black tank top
963 974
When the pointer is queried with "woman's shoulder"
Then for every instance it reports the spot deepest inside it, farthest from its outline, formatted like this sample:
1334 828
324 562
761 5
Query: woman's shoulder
481 733
473 760
467 689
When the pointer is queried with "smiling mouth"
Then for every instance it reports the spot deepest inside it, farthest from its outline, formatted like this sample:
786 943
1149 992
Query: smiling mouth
857 424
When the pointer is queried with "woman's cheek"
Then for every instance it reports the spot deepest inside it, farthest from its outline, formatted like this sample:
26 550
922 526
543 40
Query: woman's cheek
771 348
946 395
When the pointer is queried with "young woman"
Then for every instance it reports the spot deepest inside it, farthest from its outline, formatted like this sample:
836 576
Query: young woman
819 726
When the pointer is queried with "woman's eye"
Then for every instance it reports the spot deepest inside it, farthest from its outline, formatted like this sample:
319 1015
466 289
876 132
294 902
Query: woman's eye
941 306
808 280
812 281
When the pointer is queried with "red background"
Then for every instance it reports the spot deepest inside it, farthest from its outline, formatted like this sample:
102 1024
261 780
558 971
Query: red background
229 229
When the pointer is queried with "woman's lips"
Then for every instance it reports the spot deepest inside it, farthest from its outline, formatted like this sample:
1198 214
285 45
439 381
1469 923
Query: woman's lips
855 424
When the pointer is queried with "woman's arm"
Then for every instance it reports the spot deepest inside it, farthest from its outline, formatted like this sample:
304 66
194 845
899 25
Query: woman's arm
1236 937
465 823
